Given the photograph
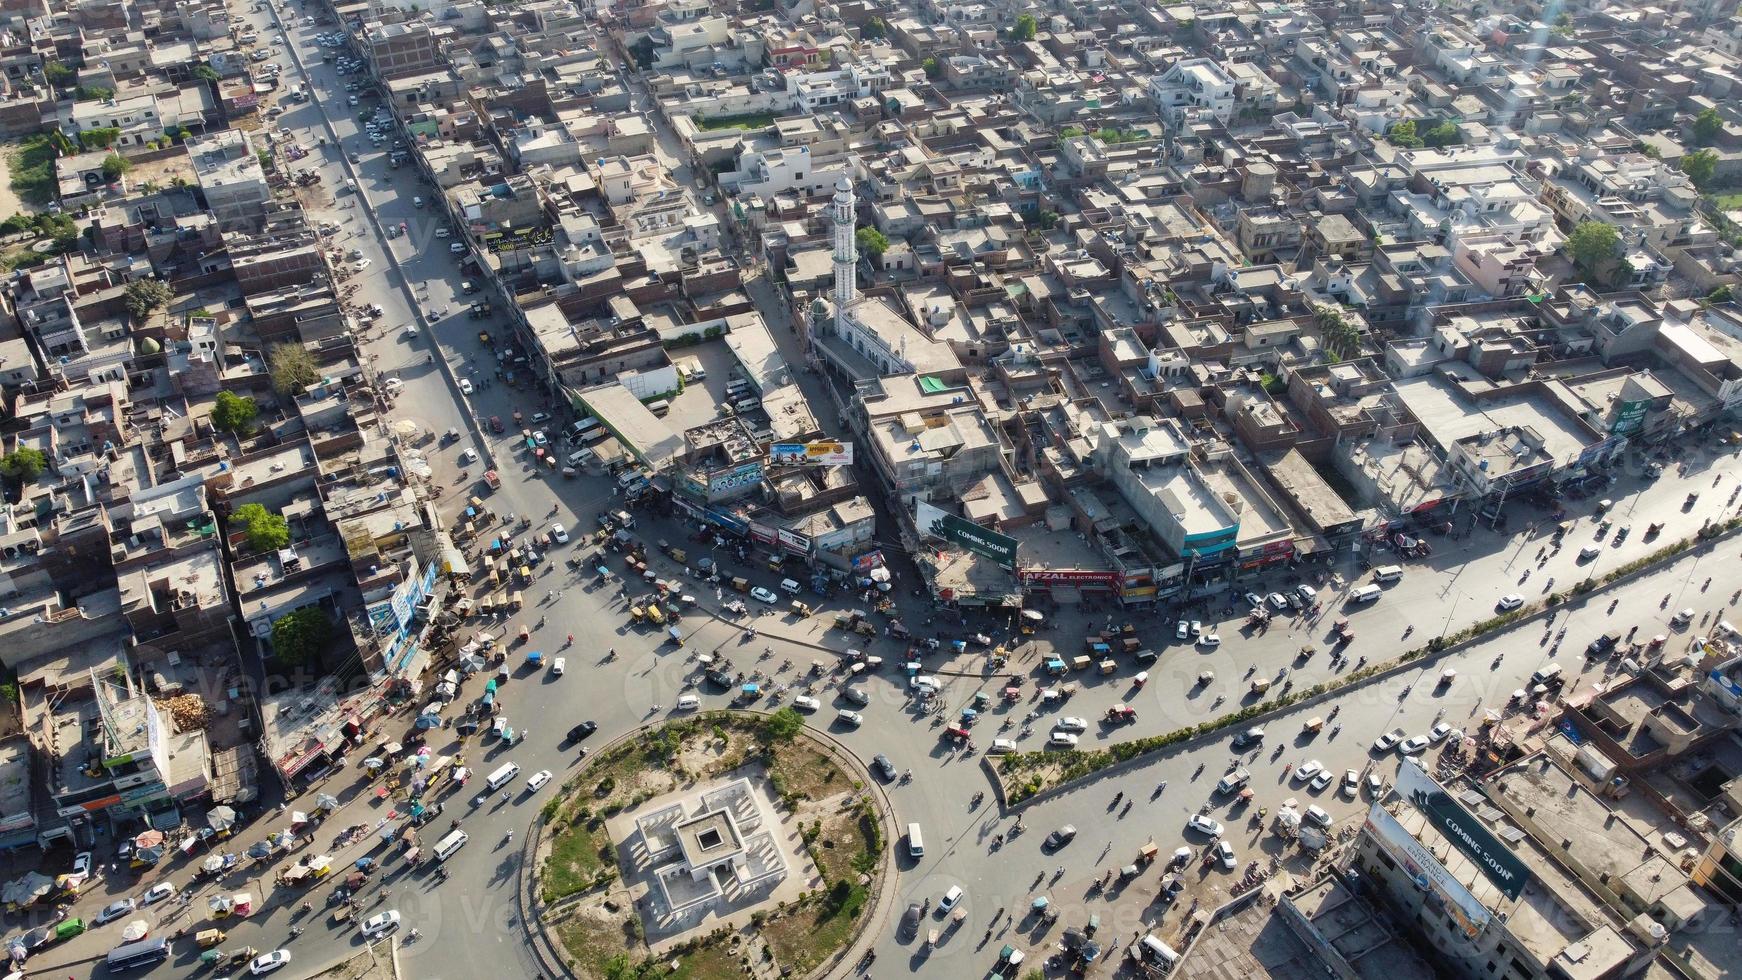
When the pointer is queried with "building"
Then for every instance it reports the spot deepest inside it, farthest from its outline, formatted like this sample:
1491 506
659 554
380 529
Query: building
230 176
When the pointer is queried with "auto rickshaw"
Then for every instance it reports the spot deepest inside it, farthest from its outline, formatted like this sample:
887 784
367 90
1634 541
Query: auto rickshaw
207 938
1261 685
246 953
1313 726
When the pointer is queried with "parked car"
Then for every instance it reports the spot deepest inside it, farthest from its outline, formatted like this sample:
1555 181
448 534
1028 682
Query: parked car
1439 732
1384 742
267 962
1322 780
1210 640
1063 740
1225 856
761 594
1351 783
883 767
115 910
1070 723
559 534
1509 602
1412 745
1308 769
805 702
850 718
156 893
1317 816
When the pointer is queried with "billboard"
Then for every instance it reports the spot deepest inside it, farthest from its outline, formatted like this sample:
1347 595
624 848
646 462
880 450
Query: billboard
1629 417
810 454
1426 870
737 479
959 530
1499 865
1070 577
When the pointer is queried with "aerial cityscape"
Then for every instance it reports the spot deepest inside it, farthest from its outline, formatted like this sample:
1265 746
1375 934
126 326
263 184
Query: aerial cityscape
792 489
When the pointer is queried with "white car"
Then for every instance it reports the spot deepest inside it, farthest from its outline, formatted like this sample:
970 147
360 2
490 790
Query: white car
115 910
1064 740
364 264
761 594
267 962
1509 602
1183 630
1438 733
1308 769
1278 601
559 534
1197 627
352 100
805 702
689 702
951 899
559 666
538 780
468 456
456 247
444 231
1322 781
1412 745
1210 640
81 868
1204 825
1351 783
1307 593
853 718
1316 815
1384 742
466 386
1225 854
377 925
1070 723
157 893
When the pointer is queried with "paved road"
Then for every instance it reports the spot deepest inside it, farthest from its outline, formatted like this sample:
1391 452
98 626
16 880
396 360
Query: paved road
470 924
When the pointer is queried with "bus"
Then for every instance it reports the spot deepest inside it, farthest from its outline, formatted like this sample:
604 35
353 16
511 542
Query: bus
134 955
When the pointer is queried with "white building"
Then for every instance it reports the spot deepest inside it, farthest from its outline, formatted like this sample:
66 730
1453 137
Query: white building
1193 83
822 89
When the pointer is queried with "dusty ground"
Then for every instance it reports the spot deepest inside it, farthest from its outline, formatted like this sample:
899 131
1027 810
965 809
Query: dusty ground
10 203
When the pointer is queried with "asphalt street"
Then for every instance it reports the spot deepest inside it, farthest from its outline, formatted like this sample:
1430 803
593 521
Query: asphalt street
470 925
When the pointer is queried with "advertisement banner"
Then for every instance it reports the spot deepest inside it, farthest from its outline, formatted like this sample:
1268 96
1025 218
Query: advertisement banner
795 542
810 454
1075 577
1462 828
868 561
1630 417
733 480
762 533
1426 870
959 530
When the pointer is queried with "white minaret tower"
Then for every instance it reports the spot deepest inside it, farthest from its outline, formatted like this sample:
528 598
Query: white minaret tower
846 253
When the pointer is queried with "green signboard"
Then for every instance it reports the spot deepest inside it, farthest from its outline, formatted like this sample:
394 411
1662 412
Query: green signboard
959 530
1466 832
1630 417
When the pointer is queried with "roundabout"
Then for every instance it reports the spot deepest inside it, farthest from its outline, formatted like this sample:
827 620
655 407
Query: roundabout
731 843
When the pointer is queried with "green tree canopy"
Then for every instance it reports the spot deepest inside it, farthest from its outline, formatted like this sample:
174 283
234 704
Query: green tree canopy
871 242
206 72
144 296
292 368
24 464
1592 244
114 165
300 637
931 68
1707 125
93 93
100 138
234 413
1341 338
874 30
58 74
1026 27
784 725
1700 165
1403 134
266 530
1445 134
1046 220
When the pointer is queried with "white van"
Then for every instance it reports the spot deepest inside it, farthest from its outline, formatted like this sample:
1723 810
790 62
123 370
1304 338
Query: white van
1365 594
502 776
1153 950
581 457
1545 674
688 702
1001 746
446 847
659 406
789 586
915 843
1387 573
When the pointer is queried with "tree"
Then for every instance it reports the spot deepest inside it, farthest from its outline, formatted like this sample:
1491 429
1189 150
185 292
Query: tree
1341 338
265 158
265 530
1026 27
1707 125
1046 220
931 68
785 724
1445 134
24 464
874 30
115 165
1403 134
1700 165
58 74
234 413
1070 132
871 242
292 368
206 72
100 138
1592 244
1720 295
93 93
299 637
145 296
17 224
